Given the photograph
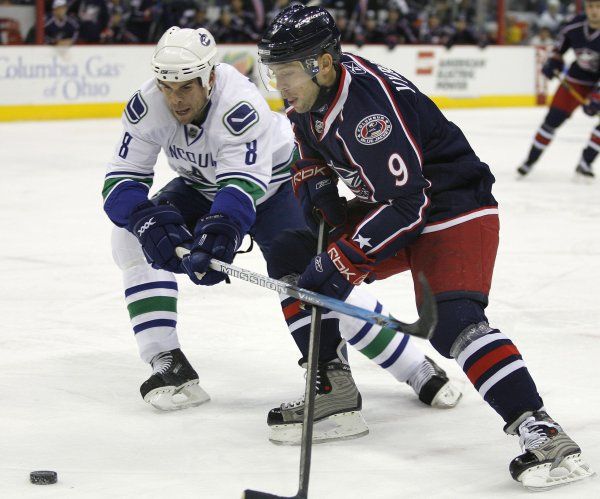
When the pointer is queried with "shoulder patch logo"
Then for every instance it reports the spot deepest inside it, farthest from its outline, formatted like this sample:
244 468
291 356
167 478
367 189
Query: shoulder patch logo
373 129
354 68
136 108
240 118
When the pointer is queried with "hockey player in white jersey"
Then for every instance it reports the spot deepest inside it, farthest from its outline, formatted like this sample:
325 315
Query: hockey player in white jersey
232 155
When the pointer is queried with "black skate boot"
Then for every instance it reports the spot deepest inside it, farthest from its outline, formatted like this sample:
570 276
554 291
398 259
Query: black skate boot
337 409
549 458
173 384
433 386
584 170
524 169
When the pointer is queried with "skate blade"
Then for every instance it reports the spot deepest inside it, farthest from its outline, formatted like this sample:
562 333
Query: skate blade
580 178
571 469
175 398
447 397
343 426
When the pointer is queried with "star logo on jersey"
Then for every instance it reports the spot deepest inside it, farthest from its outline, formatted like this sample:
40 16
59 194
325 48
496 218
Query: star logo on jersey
373 129
363 242
354 68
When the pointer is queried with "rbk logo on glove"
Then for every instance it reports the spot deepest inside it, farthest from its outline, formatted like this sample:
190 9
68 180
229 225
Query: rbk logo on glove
345 266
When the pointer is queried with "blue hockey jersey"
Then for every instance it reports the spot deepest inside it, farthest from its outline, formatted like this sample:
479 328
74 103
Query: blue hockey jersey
576 34
395 150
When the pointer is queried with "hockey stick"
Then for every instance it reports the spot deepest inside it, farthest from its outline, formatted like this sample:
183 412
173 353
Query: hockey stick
422 328
309 398
564 83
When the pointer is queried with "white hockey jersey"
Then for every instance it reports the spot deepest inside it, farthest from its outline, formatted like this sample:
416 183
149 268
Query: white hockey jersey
241 142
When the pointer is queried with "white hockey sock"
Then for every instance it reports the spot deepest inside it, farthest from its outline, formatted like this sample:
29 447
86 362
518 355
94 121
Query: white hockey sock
151 297
395 352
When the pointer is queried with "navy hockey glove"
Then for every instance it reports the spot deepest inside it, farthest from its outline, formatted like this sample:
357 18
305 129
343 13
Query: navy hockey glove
551 66
335 271
159 229
315 186
592 106
215 236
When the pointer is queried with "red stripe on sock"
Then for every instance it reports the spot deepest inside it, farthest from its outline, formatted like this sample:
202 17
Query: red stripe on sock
489 360
541 139
595 139
291 310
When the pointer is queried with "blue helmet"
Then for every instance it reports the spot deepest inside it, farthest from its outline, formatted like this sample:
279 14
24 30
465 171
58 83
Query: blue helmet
299 33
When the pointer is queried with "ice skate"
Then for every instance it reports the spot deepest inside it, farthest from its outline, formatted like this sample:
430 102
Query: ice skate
550 457
337 409
433 387
524 170
584 172
173 384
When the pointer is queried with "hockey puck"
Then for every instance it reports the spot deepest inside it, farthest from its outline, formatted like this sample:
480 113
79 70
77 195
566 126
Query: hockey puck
43 477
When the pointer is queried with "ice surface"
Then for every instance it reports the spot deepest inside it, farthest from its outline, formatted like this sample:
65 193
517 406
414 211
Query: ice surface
70 372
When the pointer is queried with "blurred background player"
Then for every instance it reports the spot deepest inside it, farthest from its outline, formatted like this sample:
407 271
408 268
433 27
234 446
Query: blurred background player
233 158
423 202
582 35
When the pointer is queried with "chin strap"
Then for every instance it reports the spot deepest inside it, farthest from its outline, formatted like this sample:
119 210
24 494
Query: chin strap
324 95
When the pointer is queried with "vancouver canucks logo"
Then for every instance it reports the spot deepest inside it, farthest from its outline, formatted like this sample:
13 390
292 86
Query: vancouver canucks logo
204 40
373 129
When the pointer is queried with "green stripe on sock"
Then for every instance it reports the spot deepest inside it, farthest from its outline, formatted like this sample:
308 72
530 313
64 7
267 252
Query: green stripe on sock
379 343
152 304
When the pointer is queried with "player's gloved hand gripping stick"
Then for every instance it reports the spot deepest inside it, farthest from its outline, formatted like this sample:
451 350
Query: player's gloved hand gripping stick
422 328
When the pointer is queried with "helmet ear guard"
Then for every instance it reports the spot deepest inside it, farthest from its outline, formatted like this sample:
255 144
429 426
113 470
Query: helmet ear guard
185 54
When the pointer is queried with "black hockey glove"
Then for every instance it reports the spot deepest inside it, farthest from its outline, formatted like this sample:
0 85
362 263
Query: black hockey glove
592 106
216 236
315 186
159 229
551 66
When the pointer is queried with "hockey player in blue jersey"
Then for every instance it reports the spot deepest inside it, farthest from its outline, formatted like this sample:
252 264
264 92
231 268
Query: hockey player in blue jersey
582 35
423 202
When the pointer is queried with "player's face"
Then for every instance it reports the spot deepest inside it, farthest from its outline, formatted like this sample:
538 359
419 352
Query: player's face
186 99
592 11
295 84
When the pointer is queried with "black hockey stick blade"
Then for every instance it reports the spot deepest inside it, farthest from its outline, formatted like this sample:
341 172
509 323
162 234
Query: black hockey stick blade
428 317
255 494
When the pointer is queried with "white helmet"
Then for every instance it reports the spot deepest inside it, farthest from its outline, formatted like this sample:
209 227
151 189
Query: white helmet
185 54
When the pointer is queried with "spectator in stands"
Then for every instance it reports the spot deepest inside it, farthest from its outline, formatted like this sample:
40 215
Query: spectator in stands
543 38
397 29
93 19
115 32
143 15
232 29
60 29
244 17
433 32
370 32
551 18
462 34
200 20
345 28
514 32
